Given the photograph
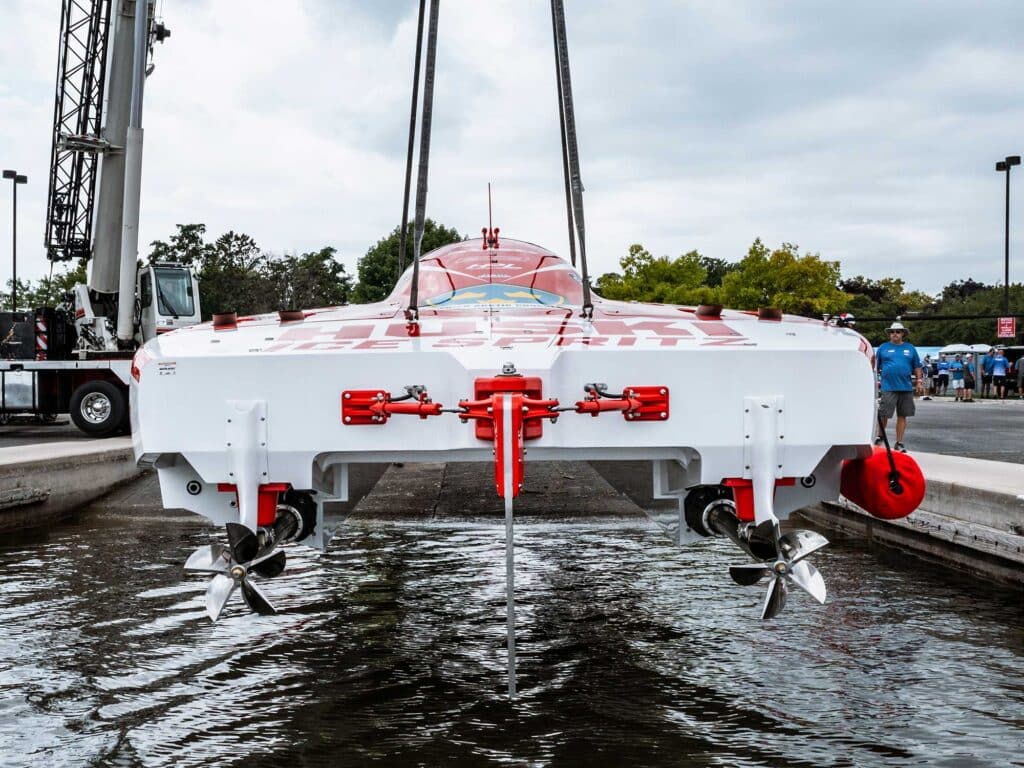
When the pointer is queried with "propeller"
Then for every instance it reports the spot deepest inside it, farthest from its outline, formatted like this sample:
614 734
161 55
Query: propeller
784 564
247 553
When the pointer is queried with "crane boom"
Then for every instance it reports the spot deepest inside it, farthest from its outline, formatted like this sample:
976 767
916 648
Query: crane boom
77 117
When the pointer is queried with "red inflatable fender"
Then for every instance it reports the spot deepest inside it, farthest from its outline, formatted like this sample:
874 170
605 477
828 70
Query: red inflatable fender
865 482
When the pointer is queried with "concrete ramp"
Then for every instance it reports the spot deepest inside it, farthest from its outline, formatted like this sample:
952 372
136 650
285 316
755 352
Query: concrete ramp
42 484
465 491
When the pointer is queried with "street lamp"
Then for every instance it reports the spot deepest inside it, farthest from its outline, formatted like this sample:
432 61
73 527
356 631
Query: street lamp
1006 165
16 179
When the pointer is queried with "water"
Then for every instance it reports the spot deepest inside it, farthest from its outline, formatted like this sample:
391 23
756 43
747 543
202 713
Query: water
390 650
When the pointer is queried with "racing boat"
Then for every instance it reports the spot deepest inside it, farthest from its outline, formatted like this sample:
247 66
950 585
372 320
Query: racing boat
487 346
745 417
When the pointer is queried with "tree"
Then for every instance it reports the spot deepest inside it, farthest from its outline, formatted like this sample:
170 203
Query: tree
378 269
646 278
963 289
717 269
187 246
784 279
886 289
236 276
47 292
314 279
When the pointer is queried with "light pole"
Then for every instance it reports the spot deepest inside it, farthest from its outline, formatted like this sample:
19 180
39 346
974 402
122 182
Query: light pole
16 179
1005 166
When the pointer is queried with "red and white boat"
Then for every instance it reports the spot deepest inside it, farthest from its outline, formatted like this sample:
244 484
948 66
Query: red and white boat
744 416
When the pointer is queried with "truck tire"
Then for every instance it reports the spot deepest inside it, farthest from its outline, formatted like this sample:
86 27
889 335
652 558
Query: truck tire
98 408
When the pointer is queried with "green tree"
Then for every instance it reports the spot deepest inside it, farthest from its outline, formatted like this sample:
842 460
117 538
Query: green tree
314 279
378 269
888 289
805 285
646 278
187 246
963 289
717 269
236 276
47 291
955 301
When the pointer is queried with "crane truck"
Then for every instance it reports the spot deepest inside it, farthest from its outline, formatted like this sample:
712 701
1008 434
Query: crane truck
75 358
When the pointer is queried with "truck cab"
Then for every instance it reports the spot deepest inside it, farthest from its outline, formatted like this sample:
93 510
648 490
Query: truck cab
168 296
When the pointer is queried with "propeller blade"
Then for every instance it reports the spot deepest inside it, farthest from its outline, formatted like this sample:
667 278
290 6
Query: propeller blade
270 565
217 594
243 542
749 573
207 559
775 600
796 545
256 599
807 577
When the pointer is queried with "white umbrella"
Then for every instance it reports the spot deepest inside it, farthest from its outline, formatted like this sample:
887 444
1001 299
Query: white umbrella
954 349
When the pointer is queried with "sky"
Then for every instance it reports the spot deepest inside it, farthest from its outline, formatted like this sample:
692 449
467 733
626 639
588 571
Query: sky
866 132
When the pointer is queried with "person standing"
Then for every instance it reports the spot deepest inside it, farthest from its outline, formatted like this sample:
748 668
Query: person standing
970 380
899 370
927 380
956 378
986 373
943 373
1000 370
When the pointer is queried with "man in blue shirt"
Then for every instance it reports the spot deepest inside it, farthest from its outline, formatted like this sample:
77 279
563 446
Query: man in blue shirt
1000 370
956 378
899 368
942 369
986 373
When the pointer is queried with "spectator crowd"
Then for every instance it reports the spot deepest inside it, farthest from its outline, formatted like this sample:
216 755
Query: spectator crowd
955 374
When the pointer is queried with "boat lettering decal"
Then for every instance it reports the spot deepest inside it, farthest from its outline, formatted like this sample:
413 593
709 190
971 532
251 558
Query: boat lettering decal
508 331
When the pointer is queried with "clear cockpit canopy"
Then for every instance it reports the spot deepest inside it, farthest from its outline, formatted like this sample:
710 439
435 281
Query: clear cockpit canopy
515 275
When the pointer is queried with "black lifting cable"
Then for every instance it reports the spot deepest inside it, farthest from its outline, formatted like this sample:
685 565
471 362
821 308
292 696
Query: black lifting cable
562 47
565 150
412 140
412 313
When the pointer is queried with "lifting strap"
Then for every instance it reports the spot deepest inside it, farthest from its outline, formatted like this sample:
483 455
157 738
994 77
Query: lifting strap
569 123
565 150
412 313
412 141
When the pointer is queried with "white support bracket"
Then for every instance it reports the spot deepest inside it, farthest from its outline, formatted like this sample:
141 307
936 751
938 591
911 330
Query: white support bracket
247 457
764 435
671 479
335 477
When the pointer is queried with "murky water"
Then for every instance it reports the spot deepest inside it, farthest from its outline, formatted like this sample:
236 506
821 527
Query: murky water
391 650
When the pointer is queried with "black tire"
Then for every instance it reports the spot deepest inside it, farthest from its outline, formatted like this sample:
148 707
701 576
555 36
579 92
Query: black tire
98 408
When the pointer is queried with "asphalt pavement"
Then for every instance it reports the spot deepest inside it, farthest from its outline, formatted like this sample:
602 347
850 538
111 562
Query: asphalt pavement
28 431
984 429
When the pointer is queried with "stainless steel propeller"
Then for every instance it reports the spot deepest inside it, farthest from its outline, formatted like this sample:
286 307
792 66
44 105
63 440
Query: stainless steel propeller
232 567
787 565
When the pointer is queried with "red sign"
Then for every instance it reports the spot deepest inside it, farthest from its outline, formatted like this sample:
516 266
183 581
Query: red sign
1006 328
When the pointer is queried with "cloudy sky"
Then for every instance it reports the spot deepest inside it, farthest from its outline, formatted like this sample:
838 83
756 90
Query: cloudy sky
864 131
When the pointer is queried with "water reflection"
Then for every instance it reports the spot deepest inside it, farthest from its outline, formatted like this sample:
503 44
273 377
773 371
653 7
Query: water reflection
391 650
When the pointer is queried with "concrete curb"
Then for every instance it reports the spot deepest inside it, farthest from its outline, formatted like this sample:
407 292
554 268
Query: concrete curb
42 484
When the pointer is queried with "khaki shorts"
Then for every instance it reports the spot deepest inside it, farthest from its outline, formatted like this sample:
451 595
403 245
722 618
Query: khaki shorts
900 402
